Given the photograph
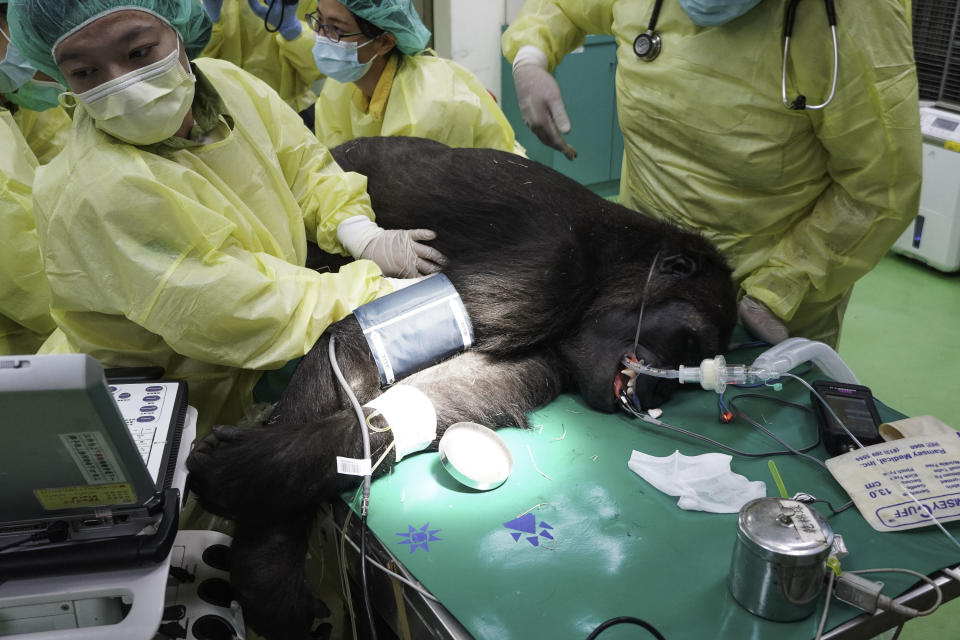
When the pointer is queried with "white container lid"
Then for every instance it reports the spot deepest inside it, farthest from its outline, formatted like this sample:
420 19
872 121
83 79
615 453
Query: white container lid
475 455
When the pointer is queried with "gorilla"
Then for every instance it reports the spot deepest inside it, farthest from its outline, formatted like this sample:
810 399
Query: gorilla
554 278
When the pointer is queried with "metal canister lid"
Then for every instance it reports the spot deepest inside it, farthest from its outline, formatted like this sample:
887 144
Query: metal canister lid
784 531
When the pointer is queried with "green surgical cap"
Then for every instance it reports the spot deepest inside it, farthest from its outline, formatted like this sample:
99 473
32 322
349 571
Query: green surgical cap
36 25
396 16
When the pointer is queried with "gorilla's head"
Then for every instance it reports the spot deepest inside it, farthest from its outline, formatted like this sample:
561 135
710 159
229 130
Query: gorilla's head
688 304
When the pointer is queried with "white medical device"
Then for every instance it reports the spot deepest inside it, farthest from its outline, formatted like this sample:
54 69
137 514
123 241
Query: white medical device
934 236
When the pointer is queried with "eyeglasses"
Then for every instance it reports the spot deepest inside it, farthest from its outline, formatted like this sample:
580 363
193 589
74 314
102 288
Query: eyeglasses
327 30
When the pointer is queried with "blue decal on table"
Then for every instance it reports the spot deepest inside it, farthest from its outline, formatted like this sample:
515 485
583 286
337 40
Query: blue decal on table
527 523
419 537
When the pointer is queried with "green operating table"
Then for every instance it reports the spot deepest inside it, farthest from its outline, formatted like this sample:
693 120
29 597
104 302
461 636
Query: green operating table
597 541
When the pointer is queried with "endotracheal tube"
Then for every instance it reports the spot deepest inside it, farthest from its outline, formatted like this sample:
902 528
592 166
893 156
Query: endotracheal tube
716 374
712 374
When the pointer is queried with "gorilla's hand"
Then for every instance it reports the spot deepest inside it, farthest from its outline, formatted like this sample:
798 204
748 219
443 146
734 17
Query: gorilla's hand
260 473
257 473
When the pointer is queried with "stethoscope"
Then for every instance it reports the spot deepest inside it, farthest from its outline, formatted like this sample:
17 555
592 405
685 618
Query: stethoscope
800 102
647 47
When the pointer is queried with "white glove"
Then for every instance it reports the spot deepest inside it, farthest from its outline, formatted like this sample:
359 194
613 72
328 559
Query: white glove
398 252
761 322
540 101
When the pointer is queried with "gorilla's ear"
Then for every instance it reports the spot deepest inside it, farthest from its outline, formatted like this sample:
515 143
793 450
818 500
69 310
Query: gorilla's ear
679 265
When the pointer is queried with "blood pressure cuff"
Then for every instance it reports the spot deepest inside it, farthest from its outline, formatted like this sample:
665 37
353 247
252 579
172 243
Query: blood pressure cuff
415 327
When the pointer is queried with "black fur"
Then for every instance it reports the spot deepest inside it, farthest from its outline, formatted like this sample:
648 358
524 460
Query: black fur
553 277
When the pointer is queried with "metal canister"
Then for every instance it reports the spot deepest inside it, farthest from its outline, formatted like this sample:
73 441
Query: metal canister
779 560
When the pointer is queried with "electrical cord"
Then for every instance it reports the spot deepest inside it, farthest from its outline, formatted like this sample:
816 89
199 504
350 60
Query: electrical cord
882 602
806 498
723 407
826 405
365 500
625 620
629 408
31 538
895 605
55 532
407 581
789 449
826 606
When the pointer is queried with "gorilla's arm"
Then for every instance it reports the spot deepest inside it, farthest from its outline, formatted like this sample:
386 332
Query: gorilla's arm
268 575
258 474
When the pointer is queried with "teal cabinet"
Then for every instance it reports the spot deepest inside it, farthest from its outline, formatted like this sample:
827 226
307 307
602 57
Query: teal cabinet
586 79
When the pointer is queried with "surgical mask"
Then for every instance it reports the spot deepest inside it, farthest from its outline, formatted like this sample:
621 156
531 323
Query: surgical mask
37 95
144 106
14 68
711 13
338 60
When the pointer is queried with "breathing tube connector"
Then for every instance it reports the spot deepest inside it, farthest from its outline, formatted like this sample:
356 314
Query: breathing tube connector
712 374
715 374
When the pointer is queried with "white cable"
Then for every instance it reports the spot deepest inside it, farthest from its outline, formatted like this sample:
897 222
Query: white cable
365 500
826 606
406 581
898 608
905 491
829 408
331 353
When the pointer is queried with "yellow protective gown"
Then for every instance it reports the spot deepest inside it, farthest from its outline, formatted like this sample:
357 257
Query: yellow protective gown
46 132
802 203
287 66
192 258
421 95
27 140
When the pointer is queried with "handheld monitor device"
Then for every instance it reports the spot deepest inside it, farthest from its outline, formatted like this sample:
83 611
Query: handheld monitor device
853 404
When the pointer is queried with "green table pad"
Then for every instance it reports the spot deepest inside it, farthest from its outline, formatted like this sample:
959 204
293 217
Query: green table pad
619 547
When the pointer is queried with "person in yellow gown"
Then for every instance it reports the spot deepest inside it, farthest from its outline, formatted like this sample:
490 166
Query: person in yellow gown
381 81
278 51
801 201
33 129
174 224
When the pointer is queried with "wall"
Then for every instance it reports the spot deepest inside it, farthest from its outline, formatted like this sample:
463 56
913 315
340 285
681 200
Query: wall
468 31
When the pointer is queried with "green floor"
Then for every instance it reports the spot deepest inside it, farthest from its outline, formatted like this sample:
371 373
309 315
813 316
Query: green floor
900 336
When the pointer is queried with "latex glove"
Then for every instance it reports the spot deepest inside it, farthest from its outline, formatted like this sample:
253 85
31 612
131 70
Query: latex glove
762 322
212 8
540 101
280 16
398 252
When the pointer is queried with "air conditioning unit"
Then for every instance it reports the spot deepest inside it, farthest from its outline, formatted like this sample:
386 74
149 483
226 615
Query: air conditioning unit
934 237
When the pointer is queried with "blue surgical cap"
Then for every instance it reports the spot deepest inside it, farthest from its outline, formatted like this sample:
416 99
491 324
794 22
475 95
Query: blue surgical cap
396 16
37 25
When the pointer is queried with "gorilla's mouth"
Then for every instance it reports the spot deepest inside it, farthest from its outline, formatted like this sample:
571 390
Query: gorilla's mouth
640 392
625 381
